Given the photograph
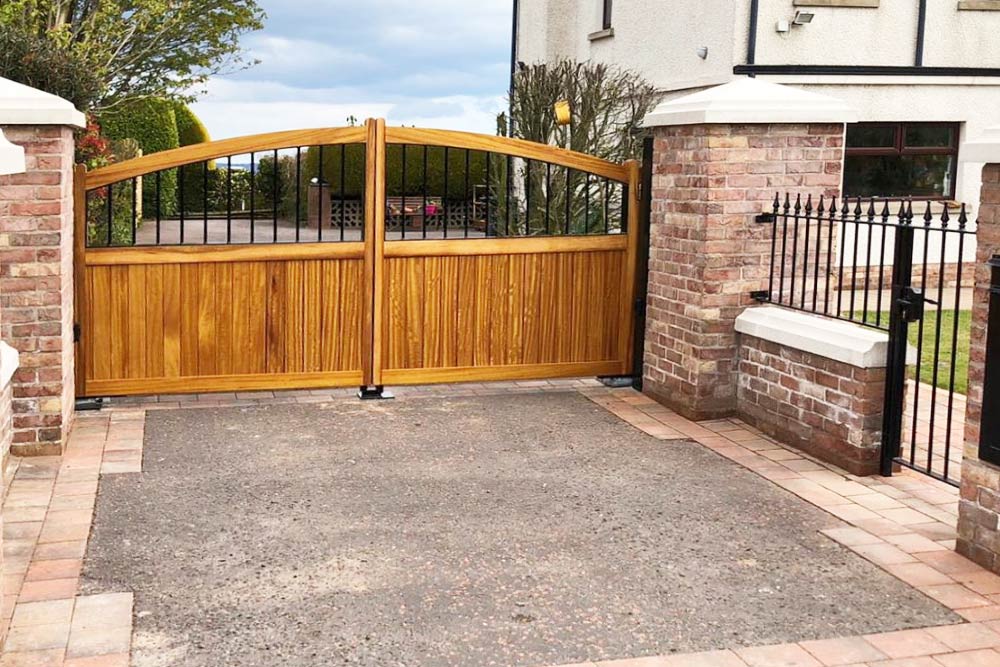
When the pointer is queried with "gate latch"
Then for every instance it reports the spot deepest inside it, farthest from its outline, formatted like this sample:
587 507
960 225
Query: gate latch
911 304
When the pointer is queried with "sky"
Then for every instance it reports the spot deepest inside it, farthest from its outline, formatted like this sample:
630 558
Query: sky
428 63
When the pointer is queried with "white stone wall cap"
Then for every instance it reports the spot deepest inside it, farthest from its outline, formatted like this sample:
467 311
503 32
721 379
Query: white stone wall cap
24 105
10 360
985 148
751 100
841 341
11 157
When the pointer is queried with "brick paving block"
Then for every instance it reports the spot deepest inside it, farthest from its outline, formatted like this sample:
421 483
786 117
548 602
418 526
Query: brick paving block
783 655
983 658
97 641
950 562
913 543
48 658
906 643
50 589
955 596
45 612
844 651
37 637
919 574
851 536
883 554
966 636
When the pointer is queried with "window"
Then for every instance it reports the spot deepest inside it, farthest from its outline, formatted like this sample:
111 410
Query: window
606 21
916 160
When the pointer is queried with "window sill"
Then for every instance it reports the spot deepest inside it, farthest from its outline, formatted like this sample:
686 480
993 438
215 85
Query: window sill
857 4
601 34
979 5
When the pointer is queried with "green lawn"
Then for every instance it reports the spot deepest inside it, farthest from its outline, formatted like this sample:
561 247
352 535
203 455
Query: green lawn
945 353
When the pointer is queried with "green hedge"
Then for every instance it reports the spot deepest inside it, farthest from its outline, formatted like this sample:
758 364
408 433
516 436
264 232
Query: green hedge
190 131
152 124
354 168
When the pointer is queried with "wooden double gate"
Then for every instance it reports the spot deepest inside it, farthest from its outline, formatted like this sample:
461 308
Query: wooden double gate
360 256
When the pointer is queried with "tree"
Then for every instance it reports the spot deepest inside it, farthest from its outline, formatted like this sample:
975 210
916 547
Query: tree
608 104
138 48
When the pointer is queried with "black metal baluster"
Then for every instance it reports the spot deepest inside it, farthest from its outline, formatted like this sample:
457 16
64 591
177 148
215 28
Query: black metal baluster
157 199
489 196
527 197
607 206
797 210
423 188
962 220
204 201
844 212
274 199
229 199
920 338
110 212
135 207
402 205
548 198
881 263
298 191
470 198
774 245
937 330
854 257
319 196
805 252
180 205
829 252
253 197
447 188
510 194
820 215
868 261
343 191
569 205
786 210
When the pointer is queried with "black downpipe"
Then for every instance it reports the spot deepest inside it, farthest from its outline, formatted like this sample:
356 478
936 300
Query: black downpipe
921 31
752 36
513 67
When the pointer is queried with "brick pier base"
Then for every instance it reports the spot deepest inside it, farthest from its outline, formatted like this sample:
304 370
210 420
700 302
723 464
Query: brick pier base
36 286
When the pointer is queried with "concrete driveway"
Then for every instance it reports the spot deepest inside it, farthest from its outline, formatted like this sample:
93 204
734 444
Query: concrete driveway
516 530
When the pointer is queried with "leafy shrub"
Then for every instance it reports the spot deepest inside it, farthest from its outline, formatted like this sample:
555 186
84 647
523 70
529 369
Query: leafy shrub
44 63
354 170
191 131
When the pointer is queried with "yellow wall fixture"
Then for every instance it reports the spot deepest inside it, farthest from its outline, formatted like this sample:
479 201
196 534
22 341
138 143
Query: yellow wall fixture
563 113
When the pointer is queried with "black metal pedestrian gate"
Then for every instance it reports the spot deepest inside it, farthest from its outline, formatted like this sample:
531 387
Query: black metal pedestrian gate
879 264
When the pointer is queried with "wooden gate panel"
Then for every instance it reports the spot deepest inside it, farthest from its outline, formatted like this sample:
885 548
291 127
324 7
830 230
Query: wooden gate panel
202 326
503 315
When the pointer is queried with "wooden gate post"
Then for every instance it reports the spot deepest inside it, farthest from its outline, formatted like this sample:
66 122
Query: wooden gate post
719 157
374 256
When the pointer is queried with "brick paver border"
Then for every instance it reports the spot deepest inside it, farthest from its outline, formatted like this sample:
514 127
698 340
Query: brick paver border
904 524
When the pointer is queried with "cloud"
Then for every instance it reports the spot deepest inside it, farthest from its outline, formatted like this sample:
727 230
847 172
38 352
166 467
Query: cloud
434 63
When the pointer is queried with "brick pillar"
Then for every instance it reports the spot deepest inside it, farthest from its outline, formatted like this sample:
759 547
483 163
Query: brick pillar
979 507
717 163
36 265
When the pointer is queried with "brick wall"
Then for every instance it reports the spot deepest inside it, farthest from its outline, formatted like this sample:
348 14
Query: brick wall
36 285
706 252
978 532
825 407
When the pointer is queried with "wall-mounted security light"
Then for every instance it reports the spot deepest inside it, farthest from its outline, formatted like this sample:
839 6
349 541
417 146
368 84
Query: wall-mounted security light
702 52
803 18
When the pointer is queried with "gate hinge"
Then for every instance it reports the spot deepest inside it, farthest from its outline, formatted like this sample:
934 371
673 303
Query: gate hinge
911 303
76 332
761 295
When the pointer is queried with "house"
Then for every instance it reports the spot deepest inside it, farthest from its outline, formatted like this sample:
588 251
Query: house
924 74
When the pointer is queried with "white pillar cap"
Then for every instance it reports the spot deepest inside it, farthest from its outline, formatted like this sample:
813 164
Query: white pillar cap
11 157
24 105
751 101
986 147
